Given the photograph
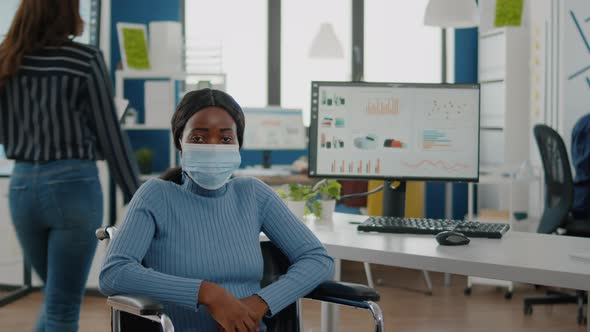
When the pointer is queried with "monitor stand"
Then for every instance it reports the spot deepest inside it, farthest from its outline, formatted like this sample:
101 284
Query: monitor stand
394 200
266 163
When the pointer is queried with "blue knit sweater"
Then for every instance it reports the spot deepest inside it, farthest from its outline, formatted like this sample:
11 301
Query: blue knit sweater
176 236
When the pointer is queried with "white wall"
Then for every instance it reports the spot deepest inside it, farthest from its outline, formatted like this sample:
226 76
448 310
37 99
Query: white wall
301 21
242 34
558 52
575 56
398 46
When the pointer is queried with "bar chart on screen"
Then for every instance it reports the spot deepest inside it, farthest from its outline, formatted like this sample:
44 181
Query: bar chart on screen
383 106
369 166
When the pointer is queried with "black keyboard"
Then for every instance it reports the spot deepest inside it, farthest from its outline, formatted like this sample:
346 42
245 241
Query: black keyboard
432 226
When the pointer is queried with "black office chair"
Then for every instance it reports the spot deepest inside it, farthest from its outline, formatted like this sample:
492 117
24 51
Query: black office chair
559 195
139 313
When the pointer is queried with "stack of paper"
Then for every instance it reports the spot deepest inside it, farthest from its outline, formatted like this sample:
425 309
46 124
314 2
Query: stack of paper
166 46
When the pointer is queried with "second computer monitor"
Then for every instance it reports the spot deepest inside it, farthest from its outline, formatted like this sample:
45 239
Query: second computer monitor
394 131
274 128
89 12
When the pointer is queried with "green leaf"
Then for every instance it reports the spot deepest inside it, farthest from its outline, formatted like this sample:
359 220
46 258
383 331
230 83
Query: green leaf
316 208
330 190
282 193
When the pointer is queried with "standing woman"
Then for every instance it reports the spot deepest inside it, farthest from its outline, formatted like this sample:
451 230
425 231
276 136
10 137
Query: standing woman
56 119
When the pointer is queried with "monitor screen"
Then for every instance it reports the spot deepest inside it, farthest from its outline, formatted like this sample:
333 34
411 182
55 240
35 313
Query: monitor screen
89 11
7 10
5 164
405 131
274 129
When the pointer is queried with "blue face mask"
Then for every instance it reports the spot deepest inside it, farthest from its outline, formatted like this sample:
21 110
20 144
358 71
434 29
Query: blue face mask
210 165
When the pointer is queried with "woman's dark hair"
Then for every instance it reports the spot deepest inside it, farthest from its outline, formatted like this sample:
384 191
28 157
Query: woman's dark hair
195 101
36 24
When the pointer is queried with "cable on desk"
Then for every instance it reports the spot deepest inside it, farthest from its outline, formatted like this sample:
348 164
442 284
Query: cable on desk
351 196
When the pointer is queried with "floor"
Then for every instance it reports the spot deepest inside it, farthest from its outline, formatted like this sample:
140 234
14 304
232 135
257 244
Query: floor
405 307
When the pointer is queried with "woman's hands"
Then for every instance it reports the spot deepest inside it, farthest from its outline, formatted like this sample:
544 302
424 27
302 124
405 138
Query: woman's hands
256 305
231 314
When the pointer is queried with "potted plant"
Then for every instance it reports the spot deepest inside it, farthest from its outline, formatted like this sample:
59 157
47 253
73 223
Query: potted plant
297 198
144 157
319 200
329 193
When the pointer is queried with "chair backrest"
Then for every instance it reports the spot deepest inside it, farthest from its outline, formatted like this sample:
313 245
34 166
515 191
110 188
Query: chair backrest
559 187
275 265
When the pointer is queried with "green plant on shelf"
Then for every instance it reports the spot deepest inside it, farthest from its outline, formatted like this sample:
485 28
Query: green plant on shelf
144 157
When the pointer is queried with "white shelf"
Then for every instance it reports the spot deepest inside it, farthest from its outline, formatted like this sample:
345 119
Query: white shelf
145 74
160 74
144 127
492 33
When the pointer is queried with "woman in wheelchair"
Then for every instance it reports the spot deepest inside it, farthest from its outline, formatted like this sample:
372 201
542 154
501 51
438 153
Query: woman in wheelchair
193 243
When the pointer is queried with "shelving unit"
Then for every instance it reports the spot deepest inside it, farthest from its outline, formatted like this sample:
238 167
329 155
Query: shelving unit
122 75
188 81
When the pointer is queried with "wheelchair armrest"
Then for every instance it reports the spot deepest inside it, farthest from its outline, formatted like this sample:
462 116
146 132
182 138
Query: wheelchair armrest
343 293
106 232
136 305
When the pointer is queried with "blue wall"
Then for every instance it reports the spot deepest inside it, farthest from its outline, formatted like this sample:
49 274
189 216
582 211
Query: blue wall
465 72
143 11
466 45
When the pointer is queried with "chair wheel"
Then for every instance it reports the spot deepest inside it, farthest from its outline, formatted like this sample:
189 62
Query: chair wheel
508 295
528 310
467 291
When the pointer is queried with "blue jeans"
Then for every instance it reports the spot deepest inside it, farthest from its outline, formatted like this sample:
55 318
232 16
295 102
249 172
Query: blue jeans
56 207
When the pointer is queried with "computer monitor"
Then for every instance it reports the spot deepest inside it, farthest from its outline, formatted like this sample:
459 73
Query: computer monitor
89 10
273 128
394 131
6 165
7 10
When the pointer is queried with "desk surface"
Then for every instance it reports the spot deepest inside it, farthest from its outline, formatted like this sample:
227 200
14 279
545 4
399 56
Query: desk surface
524 257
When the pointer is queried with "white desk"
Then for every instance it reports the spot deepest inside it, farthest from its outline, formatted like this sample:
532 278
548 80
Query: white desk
518 256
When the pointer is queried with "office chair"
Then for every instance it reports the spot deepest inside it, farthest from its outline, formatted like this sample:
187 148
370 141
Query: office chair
559 195
140 313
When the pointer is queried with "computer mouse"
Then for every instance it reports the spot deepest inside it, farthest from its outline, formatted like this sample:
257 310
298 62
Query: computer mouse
451 238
